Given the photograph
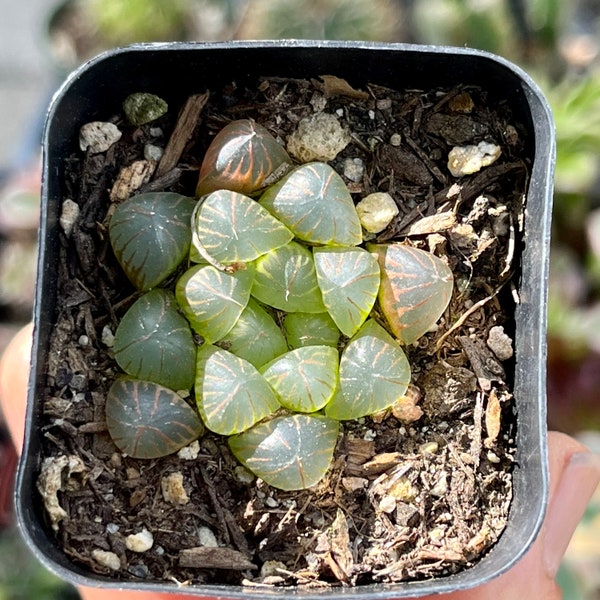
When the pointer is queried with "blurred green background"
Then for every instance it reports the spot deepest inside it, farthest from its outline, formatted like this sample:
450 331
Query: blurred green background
556 42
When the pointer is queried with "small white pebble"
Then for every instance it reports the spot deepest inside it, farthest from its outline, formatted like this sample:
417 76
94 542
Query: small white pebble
107 559
437 534
466 160
98 136
152 152
84 341
441 487
354 169
384 104
108 337
68 216
387 504
493 457
395 139
139 542
271 502
500 343
112 528
376 211
318 102
372 115
207 538
173 490
370 435
272 568
318 137
156 132
429 448
189 452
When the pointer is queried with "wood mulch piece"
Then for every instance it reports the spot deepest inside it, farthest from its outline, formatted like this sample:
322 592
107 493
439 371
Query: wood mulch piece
419 491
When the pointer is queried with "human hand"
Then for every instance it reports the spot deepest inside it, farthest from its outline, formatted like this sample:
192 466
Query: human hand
574 475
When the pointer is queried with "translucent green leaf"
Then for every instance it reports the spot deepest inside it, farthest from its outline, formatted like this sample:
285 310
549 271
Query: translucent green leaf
306 329
286 279
255 337
314 202
416 288
243 157
234 228
304 379
289 453
349 282
231 394
147 420
374 373
213 300
150 235
154 342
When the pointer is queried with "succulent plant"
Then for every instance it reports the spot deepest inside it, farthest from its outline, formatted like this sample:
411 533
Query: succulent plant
147 420
415 290
291 452
154 342
213 300
283 297
304 379
150 235
256 337
349 281
315 204
310 329
243 157
231 394
286 279
232 228
374 373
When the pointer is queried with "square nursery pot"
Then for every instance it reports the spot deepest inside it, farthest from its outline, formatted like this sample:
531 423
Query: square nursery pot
177 71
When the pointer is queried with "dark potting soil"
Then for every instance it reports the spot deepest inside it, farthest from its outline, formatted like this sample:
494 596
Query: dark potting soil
420 490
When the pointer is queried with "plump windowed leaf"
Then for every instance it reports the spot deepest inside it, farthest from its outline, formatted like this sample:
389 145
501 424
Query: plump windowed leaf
374 373
304 379
289 453
213 300
255 337
286 279
231 394
314 202
415 290
150 235
154 342
349 281
147 420
306 329
243 157
231 227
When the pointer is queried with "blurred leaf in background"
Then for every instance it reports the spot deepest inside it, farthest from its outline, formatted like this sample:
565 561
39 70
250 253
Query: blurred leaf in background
21 576
376 20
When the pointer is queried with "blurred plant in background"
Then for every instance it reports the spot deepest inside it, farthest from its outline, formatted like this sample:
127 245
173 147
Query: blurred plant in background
556 42
21 578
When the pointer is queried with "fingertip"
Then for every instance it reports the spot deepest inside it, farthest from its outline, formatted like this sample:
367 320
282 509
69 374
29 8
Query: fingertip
574 488
14 375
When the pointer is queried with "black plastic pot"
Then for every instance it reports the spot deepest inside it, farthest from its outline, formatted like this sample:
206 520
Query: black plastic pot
175 71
